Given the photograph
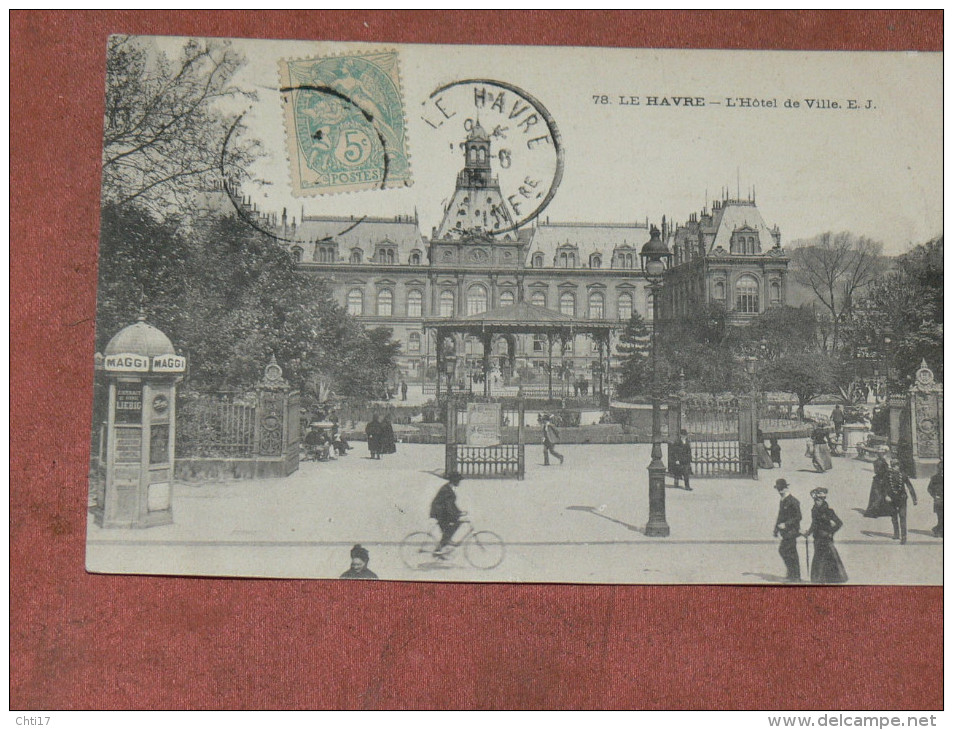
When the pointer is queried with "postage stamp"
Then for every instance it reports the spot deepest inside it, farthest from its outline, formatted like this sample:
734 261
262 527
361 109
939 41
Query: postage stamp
344 123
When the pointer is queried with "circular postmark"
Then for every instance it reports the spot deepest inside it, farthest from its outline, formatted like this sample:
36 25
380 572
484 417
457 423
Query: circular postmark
525 153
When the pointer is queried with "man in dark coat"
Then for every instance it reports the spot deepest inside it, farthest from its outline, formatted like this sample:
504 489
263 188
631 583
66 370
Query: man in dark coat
359 570
935 490
898 484
445 511
550 439
788 527
826 566
682 459
373 431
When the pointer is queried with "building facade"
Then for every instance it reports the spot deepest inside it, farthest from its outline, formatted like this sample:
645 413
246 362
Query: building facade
386 273
726 256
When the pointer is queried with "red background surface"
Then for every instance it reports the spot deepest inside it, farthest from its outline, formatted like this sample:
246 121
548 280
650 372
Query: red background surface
93 641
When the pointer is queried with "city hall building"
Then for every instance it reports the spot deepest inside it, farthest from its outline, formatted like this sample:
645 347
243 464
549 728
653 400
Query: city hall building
386 273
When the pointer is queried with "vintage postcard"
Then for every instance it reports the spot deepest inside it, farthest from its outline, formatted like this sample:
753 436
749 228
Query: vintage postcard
464 313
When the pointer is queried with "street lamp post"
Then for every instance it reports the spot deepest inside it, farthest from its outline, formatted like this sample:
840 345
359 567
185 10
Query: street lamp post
655 258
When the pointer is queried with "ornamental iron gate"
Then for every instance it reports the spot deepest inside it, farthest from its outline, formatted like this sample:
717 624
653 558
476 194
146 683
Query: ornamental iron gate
464 452
722 431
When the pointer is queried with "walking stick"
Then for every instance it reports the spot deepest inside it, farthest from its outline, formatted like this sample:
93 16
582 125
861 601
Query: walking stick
807 549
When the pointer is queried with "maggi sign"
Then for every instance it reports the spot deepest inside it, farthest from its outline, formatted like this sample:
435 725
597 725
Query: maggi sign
131 363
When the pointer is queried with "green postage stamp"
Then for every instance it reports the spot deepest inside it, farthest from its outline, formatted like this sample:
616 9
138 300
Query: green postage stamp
345 124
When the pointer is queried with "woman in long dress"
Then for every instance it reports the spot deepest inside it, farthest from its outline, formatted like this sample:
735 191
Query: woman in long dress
877 506
388 444
821 457
826 566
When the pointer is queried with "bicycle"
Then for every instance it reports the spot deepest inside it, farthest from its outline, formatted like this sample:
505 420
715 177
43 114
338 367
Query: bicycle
483 549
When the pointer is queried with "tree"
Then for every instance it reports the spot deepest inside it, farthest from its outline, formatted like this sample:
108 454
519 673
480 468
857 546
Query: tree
805 375
837 267
635 345
782 330
165 126
899 322
229 297
700 350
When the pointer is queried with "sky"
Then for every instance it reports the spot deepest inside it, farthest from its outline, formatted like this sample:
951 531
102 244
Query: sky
875 170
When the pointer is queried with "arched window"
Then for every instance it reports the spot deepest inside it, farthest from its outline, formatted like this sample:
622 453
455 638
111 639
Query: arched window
650 307
355 302
446 303
628 261
539 299
415 258
719 293
775 292
414 342
567 303
356 255
746 294
296 253
625 306
476 299
507 299
564 260
537 260
385 303
597 305
415 302
595 261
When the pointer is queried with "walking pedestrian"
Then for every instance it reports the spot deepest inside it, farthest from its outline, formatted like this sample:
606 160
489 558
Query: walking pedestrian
826 566
838 418
373 431
898 484
877 506
821 452
682 459
935 490
550 439
788 528
775 450
403 389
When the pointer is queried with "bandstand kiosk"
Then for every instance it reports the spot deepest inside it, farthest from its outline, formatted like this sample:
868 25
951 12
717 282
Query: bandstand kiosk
142 369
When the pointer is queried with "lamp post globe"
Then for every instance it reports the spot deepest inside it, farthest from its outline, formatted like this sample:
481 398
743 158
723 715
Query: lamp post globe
655 258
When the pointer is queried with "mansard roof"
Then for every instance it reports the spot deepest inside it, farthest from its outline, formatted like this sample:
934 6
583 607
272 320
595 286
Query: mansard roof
589 238
740 214
360 232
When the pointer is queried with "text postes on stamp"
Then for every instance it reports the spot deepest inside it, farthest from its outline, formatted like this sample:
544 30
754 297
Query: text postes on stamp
519 137
345 124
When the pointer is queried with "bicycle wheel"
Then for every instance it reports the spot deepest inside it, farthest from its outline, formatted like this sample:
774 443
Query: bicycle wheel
484 550
417 549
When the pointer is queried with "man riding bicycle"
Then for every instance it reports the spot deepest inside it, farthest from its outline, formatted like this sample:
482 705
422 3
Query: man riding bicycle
444 509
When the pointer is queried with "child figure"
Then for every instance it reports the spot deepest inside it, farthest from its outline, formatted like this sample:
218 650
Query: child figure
775 450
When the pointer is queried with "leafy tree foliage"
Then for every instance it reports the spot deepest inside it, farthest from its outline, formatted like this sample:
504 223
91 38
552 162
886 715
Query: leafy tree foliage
781 331
899 322
805 375
229 297
700 351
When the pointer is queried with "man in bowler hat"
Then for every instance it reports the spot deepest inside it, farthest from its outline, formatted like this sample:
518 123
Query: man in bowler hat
788 527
